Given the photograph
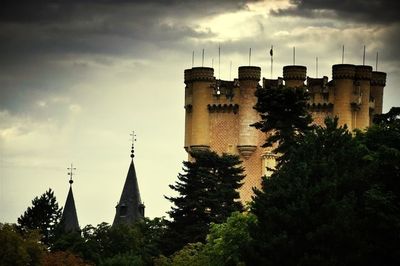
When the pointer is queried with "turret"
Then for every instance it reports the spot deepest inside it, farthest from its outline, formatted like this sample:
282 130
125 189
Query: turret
378 82
198 95
362 88
249 76
294 76
343 77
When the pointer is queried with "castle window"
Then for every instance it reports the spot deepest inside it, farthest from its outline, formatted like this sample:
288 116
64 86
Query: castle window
269 164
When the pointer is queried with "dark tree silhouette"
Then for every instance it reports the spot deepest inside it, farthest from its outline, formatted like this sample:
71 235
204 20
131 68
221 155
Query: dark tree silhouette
207 193
44 215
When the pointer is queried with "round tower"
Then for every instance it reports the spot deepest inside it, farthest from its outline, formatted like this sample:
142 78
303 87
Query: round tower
343 76
294 76
198 94
378 82
188 107
249 76
363 79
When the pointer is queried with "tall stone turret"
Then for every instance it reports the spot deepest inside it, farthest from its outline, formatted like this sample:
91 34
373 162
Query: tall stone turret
198 95
378 82
249 76
294 76
343 77
362 88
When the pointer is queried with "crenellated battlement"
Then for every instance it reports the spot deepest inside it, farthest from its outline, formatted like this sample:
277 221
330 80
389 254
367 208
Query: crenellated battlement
343 71
294 73
378 78
250 73
363 72
199 74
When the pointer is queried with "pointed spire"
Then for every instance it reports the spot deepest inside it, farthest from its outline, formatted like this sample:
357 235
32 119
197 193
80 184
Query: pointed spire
69 219
130 207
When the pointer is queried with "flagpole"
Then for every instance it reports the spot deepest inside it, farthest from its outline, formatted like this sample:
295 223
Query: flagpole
294 55
364 57
219 61
192 58
376 64
343 54
250 57
202 58
271 52
316 66
230 71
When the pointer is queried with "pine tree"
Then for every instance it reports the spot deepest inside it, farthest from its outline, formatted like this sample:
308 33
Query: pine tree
207 193
335 201
44 215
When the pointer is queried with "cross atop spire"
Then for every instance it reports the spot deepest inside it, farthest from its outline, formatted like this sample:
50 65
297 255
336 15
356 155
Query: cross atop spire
133 144
71 173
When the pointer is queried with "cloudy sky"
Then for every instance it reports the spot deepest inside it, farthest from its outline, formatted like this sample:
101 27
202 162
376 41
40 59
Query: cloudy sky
76 77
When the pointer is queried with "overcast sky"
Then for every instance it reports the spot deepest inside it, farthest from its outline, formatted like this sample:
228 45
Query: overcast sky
76 77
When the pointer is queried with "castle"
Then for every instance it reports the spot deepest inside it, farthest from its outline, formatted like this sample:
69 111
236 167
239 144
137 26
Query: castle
218 113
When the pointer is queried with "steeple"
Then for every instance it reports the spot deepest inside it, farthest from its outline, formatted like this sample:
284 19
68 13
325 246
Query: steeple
130 207
69 219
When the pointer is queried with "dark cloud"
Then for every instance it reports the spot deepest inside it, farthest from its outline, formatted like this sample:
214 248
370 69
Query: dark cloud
373 11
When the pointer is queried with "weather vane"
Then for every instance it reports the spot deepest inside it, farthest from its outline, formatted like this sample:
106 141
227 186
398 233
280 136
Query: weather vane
70 173
133 144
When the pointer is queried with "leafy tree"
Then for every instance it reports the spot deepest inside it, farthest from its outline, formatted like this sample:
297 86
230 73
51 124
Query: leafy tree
207 193
44 215
116 245
17 250
335 201
62 258
229 243
284 116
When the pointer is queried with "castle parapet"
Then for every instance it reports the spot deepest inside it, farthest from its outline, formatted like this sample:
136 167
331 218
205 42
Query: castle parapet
378 82
363 72
378 78
294 76
343 71
250 73
294 73
199 74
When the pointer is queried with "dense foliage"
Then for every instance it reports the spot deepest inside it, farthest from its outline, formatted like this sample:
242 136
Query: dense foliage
336 201
44 215
17 249
207 194
284 116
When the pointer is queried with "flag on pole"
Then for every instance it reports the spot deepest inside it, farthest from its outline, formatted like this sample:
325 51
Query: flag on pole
271 52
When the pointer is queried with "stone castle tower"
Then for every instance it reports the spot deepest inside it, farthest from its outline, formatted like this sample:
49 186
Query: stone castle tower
219 113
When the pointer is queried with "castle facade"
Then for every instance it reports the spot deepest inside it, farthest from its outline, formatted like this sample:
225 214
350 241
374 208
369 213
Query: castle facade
218 113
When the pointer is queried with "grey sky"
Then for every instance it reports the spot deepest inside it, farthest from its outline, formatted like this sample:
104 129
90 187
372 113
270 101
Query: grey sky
77 76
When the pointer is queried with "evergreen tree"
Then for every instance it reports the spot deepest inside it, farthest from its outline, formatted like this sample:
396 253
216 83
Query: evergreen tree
207 193
284 116
44 215
335 201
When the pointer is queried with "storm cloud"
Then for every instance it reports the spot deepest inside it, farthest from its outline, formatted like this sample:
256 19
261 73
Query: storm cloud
371 12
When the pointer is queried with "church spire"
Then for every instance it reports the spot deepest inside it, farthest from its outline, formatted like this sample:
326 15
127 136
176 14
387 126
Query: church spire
130 207
69 219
